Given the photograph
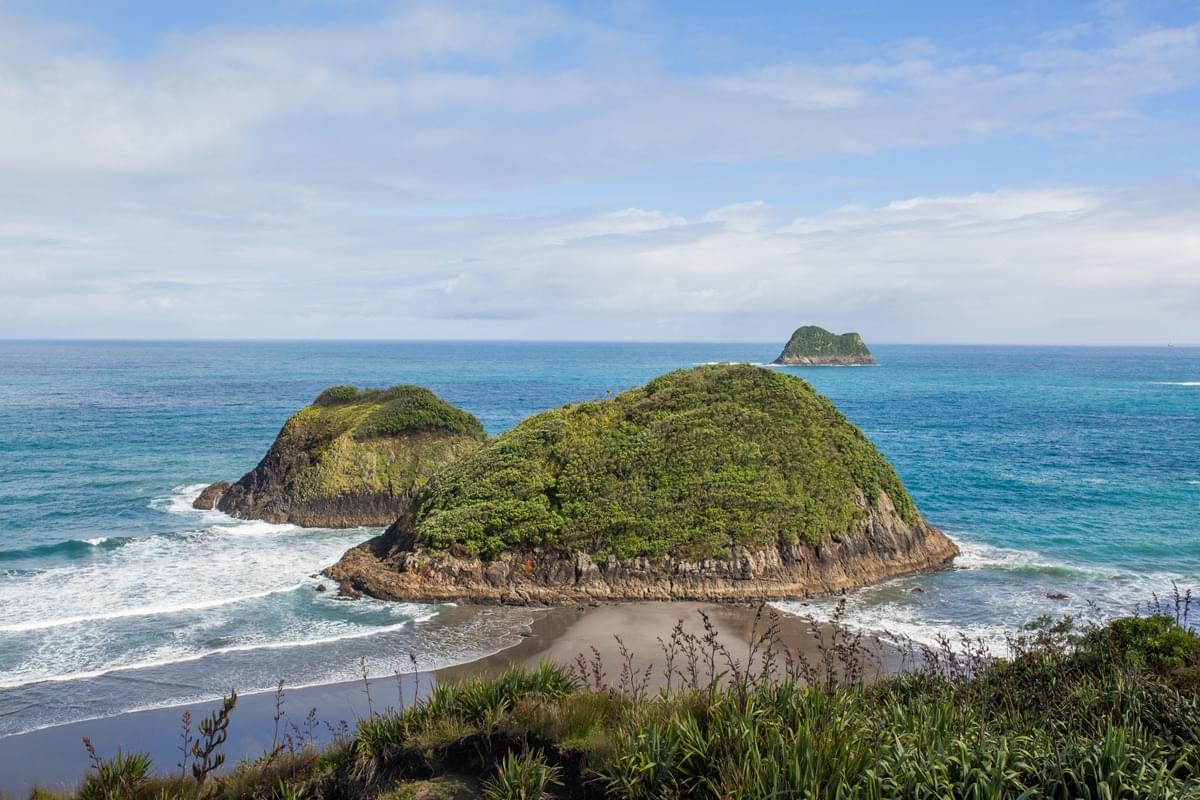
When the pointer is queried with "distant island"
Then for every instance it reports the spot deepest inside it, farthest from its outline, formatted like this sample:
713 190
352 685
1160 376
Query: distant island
353 457
721 482
813 346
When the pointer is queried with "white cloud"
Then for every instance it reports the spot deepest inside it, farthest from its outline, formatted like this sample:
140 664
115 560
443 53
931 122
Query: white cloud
1015 265
443 85
278 182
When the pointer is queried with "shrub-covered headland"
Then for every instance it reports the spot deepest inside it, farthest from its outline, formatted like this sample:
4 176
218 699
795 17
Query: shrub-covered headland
714 483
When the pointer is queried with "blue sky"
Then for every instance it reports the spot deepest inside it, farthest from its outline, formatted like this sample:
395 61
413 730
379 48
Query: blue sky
1022 172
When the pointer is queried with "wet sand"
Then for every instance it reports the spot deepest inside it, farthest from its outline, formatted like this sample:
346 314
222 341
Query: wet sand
55 758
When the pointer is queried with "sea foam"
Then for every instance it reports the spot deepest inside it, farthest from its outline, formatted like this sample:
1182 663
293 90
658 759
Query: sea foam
988 595
213 580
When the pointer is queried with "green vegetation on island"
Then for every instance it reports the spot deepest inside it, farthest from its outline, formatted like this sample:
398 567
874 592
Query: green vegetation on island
1106 712
814 346
691 465
352 457
397 411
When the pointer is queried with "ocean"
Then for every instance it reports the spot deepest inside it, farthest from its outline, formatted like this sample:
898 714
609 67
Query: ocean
1069 471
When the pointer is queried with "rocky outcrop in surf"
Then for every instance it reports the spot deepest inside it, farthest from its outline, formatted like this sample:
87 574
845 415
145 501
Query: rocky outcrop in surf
812 346
353 457
209 496
725 482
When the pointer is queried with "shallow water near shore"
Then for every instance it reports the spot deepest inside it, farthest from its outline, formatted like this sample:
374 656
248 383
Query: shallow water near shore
1058 470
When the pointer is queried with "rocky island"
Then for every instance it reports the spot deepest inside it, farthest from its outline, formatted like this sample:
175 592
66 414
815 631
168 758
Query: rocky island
812 346
724 482
353 457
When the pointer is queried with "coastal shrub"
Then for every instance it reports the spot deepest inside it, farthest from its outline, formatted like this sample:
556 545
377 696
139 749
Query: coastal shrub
474 704
117 778
547 679
334 395
396 410
690 465
482 703
338 757
377 733
443 788
524 776
1163 644
403 409
578 721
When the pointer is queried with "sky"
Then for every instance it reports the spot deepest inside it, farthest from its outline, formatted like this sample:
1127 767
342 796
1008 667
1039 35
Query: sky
1022 172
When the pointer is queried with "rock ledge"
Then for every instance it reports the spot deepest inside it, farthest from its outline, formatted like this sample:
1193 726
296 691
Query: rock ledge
883 547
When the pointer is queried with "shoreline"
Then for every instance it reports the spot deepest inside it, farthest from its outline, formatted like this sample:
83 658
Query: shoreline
54 757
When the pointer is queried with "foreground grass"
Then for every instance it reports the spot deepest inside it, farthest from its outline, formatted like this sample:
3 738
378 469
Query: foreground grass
1110 712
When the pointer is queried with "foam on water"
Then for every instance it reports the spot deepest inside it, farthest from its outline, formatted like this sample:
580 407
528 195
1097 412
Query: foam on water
899 623
980 555
382 653
173 656
180 500
213 587
204 573
988 596
141 611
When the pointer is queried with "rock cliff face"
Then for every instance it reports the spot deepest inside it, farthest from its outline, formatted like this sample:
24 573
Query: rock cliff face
723 482
883 547
351 458
813 346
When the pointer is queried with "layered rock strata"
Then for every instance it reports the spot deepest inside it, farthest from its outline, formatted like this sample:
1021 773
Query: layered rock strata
884 547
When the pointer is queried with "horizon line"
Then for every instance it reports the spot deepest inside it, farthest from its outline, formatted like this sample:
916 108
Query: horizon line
417 340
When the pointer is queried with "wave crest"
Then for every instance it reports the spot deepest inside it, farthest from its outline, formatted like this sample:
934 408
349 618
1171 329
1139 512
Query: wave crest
70 547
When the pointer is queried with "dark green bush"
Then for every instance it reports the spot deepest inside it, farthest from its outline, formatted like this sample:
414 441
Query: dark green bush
692 464
413 408
336 395
402 409
1159 640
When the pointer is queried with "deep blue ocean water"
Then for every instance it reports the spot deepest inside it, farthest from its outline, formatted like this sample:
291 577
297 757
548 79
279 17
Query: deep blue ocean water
1073 470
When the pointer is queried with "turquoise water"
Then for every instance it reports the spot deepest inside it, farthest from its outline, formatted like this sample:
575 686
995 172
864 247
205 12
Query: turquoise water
1073 470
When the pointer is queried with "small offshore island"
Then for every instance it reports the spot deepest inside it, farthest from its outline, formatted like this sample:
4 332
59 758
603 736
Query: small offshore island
717 483
812 346
354 457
